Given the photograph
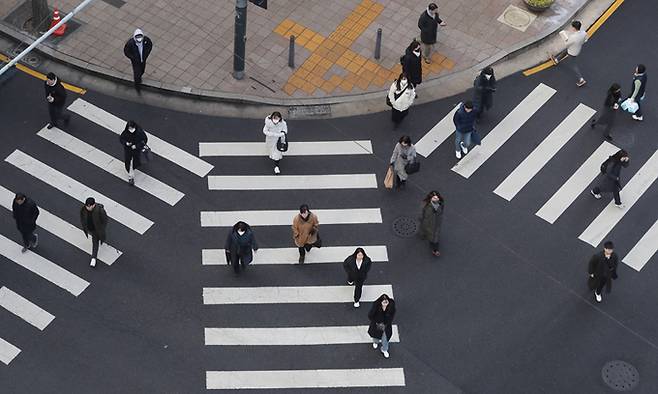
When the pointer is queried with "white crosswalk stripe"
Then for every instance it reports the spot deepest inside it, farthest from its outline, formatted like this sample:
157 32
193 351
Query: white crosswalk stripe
291 295
290 336
437 135
295 148
108 163
285 217
24 309
158 146
326 254
8 351
292 182
77 190
644 249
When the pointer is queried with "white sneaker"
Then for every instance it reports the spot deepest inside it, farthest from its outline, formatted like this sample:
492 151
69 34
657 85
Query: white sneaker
597 196
620 206
93 262
458 154
350 283
375 345
464 149
356 304
277 171
386 355
598 297
637 117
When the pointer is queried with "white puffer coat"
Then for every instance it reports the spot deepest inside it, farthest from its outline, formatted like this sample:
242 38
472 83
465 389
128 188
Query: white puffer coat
405 100
272 133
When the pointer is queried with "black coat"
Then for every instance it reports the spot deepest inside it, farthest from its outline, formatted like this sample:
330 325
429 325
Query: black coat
413 67
428 27
237 246
25 215
57 92
603 269
464 121
483 95
98 218
377 315
353 273
138 138
132 52
430 222
610 174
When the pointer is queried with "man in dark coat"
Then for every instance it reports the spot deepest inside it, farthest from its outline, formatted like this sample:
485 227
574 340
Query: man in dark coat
602 270
239 245
137 49
428 24
25 212
431 220
133 139
94 221
357 267
610 172
56 98
411 64
381 322
464 120
485 86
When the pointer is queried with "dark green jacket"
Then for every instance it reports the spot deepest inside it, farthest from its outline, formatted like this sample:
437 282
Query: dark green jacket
98 217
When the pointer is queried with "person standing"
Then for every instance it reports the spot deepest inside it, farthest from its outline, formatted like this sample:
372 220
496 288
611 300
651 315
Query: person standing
609 110
133 139
428 24
411 64
431 219
56 98
305 231
464 120
357 266
239 245
138 49
26 212
94 221
401 95
611 171
275 128
485 86
575 38
403 154
381 322
602 270
638 89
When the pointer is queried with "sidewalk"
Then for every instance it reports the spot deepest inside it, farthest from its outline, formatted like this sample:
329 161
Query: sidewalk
193 43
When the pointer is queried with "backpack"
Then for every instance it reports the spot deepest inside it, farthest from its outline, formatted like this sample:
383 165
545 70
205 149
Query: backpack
604 166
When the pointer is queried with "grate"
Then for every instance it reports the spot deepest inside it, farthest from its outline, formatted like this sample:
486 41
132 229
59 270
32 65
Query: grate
620 375
309 111
405 226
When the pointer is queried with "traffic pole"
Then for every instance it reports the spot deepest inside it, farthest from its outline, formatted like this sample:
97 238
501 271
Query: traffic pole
240 38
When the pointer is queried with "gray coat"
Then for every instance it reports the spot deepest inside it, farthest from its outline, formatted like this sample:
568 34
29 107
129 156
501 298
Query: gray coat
430 222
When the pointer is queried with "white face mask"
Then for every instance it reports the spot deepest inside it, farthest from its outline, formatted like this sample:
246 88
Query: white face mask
487 76
403 81
139 39
276 121
241 232
417 52
132 130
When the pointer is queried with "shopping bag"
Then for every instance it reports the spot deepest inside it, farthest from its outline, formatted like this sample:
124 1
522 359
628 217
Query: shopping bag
630 106
388 179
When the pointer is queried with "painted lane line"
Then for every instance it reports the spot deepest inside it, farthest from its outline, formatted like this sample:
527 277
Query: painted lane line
64 230
630 194
24 309
160 147
304 148
544 152
42 267
311 378
77 190
644 249
110 164
504 130
8 351
327 254
574 186
285 217
437 135
290 295
292 182
290 336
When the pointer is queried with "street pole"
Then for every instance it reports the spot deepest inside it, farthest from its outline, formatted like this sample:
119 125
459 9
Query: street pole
240 38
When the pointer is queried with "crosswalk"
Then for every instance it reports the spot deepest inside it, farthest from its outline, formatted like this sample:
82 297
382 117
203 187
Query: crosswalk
271 256
284 217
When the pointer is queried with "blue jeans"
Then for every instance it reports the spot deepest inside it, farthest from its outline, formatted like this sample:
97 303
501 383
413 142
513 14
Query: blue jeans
639 106
462 137
383 341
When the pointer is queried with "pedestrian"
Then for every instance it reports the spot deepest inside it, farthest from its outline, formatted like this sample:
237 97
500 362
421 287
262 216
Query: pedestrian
464 120
609 111
610 172
138 49
26 212
638 89
400 96
357 266
305 231
602 270
381 322
275 130
575 38
404 153
133 139
56 98
239 245
485 86
428 24
431 219
411 63
94 221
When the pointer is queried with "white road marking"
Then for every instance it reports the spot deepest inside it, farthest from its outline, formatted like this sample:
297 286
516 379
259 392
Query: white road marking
326 254
291 295
292 182
437 135
24 309
8 351
288 336
285 217
295 148
644 249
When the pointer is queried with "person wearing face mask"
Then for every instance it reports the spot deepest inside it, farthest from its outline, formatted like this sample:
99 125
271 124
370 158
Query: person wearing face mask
138 49
638 89
609 111
428 24
305 231
94 221
464 120
412 65
403 154
431 219
239 245
602 270
357 266
133 139
381 322
485 86
274 129
610 172
56 98
400 96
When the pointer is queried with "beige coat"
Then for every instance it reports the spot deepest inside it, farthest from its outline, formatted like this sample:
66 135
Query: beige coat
301 230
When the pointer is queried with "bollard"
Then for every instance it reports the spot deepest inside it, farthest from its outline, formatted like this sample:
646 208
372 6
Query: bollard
378 44
291 53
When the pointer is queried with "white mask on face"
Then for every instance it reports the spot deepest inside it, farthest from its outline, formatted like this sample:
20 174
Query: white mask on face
417 52
403 81
131 129
487 76
276 121
139 39
241 232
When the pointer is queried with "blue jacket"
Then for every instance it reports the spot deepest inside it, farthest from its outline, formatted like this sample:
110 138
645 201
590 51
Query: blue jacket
463 120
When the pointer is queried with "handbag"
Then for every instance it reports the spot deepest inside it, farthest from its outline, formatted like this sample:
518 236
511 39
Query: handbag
412 167
630 106
318 242
282 143
146 152
395 96
388 179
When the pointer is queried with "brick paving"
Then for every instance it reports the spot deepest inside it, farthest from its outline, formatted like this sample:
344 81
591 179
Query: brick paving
193 41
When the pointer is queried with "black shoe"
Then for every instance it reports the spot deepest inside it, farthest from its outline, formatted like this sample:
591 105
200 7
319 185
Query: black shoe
50 126
608 137
593 123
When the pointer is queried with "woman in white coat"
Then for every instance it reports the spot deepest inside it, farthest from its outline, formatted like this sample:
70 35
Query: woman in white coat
275 128
401 95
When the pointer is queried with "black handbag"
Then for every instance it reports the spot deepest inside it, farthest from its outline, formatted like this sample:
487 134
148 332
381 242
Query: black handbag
412 167
146 152
282 143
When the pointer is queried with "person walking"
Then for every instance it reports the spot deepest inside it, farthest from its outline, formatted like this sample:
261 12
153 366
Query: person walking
26 212
381 322
485 86
609 111
431 219
239 245
611 171
357 266
464 120
638 89
575 38
602 270
133 139
428 24
56 98
138 49
411 63
275 129
94 221
404 153
305 231
400 96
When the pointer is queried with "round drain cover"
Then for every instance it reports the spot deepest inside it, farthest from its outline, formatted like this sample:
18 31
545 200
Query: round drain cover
405 226
620 375
517 17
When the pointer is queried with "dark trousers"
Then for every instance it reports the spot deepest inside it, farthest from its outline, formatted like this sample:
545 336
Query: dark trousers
95 243
138 71
397 116
28 238
304 249
615 193
601 284
607 119
134 156
639 106
237 263
358 288
56 113
434 246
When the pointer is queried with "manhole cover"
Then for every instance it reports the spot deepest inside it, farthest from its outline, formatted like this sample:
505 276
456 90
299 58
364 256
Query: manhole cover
517 18
620 375
405 226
